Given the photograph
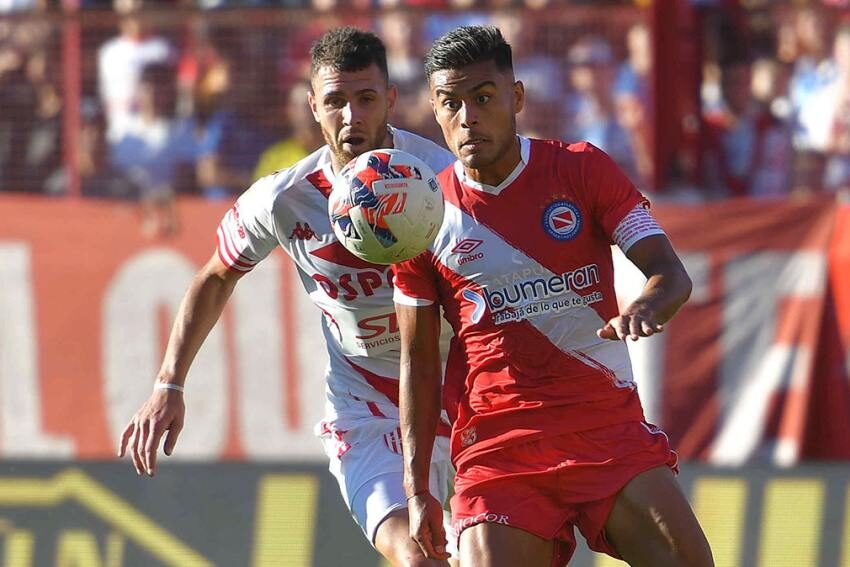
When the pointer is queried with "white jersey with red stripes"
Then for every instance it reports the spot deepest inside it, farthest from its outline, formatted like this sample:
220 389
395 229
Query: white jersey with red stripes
290 209
524 273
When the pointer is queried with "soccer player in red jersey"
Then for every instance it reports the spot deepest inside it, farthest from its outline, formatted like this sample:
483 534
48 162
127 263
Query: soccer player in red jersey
548 430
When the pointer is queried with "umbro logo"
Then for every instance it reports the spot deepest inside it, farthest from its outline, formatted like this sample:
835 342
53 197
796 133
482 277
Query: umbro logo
467 245
465 248
302 232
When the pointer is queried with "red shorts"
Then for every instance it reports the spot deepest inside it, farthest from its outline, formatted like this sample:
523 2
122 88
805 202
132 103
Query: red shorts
548 486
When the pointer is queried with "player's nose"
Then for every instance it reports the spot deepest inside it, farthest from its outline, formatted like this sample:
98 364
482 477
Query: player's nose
351 115
468 115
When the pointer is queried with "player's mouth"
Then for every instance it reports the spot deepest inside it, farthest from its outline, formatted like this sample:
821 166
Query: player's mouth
472 144
354 140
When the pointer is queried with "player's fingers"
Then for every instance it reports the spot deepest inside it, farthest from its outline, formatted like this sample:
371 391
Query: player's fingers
635 328
649 328
423 539
151 446
142 441
125 438
621 326
134 443
171 438
607 332
439 542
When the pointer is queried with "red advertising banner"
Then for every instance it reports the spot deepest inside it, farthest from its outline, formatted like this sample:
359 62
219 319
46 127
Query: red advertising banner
753 368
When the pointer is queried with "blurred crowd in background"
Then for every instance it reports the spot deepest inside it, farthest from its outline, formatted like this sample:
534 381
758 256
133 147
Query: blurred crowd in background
204 97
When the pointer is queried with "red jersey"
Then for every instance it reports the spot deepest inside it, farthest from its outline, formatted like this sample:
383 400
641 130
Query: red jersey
525 276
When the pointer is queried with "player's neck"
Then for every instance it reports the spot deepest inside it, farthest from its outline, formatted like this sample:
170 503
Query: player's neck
495 173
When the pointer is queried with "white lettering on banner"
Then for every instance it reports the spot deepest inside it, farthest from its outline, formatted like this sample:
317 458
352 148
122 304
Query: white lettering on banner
648 355
266 430
131 351
754 367
20 405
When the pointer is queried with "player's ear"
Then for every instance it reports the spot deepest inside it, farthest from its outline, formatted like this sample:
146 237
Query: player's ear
311 100
519 96
392 96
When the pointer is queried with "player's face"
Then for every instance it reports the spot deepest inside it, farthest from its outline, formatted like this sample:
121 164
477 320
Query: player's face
476 108
352 107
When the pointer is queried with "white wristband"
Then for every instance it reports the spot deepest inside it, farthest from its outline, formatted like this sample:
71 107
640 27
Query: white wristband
167 386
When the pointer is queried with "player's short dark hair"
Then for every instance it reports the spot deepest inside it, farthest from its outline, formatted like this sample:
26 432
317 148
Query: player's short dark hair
467 45
348 49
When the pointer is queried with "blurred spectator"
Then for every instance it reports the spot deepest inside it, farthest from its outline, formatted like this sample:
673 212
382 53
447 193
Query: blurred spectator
402 35
29 106
120 63
8 6
228 127
305 137
541 74
748 148
837 172
633 94
99 179
591 112
811 75
44 148
156 147
18 104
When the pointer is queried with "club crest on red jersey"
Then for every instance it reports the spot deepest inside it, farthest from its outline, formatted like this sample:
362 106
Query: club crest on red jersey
562 220
468 436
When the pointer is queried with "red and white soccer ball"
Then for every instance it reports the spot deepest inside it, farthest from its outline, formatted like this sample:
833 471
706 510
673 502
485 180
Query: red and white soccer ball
386 206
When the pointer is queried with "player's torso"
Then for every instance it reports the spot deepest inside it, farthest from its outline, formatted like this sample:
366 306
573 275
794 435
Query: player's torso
355 296
529 282
533 252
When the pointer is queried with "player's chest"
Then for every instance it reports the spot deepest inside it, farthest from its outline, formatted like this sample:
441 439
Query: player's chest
305 233
496 236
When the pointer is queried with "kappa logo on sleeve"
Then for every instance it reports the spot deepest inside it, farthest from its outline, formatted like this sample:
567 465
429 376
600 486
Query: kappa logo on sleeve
302 232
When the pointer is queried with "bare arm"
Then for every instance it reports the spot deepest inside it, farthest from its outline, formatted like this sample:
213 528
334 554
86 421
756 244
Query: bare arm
667 288
164 410
419 405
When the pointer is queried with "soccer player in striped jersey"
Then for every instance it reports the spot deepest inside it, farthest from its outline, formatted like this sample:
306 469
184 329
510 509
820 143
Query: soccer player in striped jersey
548 430
350 99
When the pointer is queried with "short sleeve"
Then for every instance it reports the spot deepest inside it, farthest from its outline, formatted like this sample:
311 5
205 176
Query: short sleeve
611 195
246 233
415 281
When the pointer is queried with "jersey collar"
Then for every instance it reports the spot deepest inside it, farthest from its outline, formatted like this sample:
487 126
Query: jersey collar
524 155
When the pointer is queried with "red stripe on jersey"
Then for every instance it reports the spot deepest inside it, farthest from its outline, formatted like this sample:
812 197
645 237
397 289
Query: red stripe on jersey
338 254
389 388
517 383
320 182
224 255
225 245
373 407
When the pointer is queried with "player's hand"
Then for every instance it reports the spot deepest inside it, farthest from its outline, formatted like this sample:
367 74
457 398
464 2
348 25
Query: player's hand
164 411
426 525
635 322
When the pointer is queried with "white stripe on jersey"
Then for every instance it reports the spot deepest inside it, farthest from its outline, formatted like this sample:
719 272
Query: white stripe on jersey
572 329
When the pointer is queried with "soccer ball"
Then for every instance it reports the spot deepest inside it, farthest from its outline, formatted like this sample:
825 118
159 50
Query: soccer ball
386 206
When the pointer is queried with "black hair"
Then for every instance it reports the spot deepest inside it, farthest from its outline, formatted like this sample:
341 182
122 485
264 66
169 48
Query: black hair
348 49
466 45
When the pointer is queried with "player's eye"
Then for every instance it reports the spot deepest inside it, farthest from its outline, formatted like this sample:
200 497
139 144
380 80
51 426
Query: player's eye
334 102
451 104
482 98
